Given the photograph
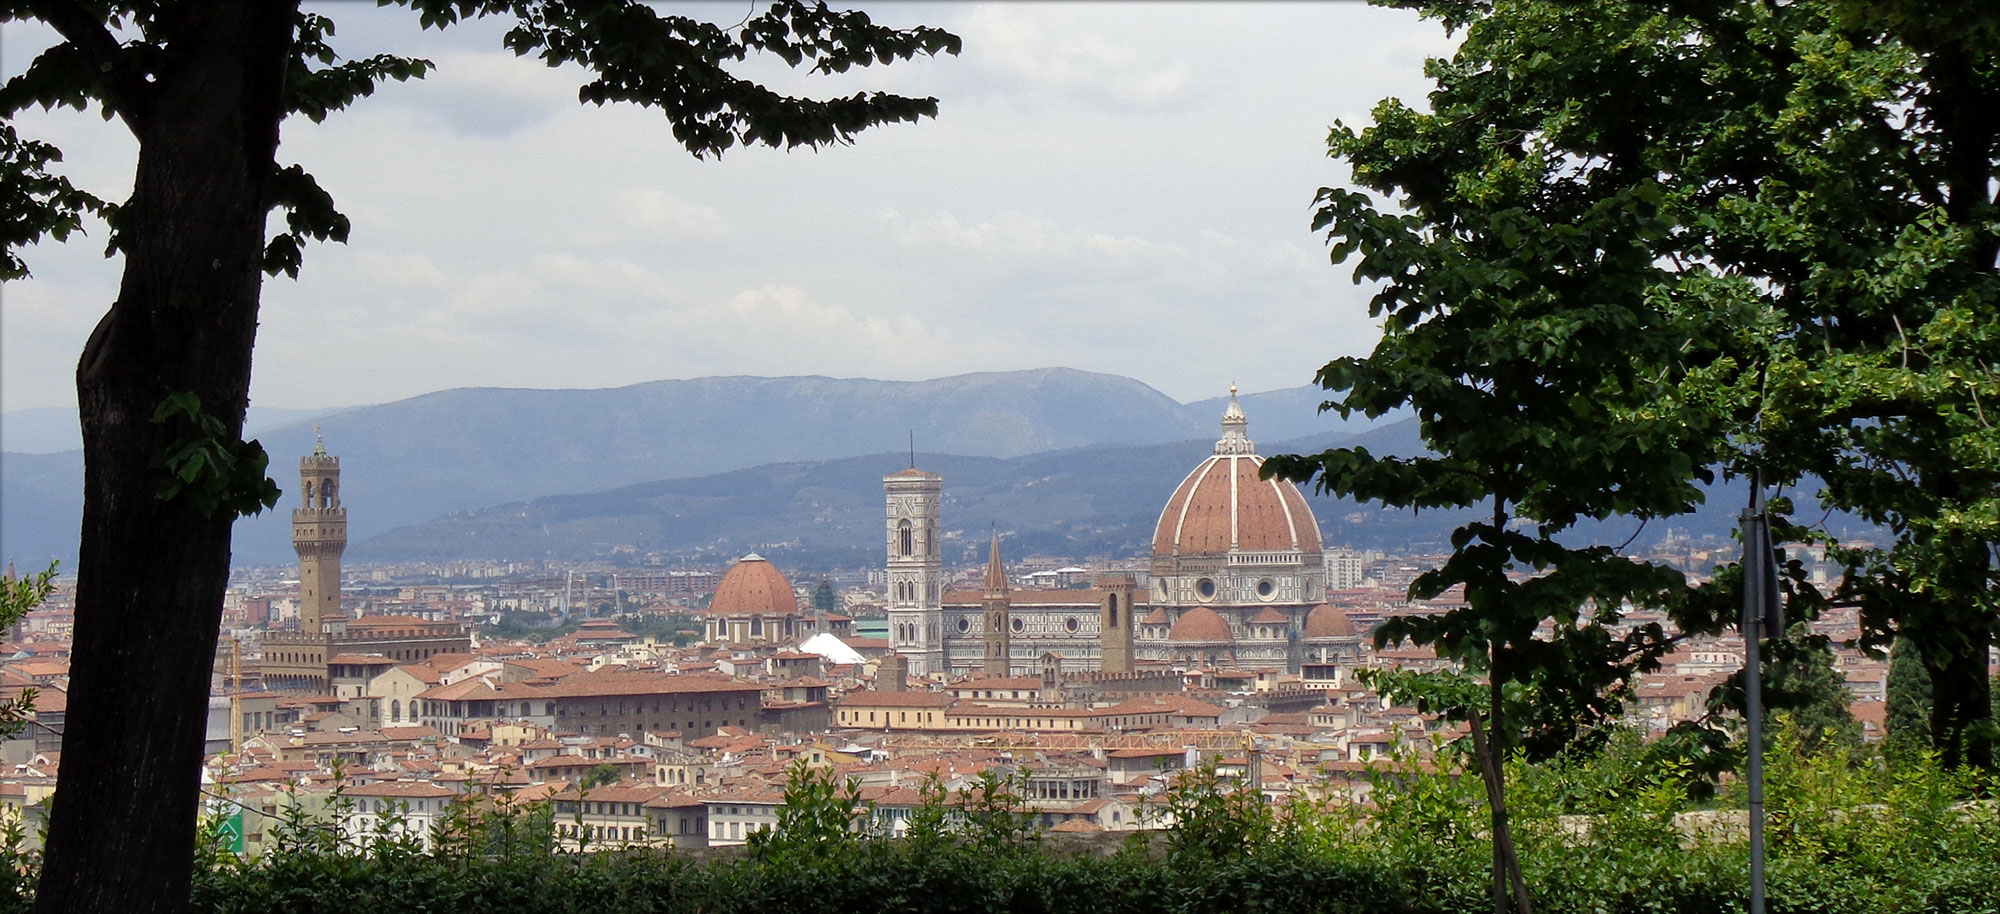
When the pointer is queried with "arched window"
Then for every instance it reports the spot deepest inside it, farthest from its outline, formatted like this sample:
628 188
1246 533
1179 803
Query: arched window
396 710
905 538
1114 610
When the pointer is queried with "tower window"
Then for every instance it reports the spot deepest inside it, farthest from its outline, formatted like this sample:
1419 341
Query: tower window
905 538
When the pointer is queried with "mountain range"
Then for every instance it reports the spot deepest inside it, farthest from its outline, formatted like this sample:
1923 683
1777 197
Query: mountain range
413 461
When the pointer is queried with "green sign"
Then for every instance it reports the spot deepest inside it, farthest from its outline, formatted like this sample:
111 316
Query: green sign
232 832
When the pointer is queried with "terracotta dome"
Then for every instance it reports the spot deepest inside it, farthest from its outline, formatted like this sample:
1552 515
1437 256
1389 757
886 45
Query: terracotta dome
1327 621
753 586
1222 507
1199 624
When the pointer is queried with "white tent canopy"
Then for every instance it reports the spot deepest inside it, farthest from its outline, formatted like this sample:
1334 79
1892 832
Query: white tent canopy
830 647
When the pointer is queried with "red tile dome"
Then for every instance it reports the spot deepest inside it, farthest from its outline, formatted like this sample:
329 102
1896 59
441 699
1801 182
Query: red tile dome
753 586
1199 625
1327 621
1222 507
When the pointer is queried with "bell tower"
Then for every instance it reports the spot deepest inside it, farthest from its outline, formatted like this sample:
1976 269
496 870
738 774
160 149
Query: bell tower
999 648
319 536
1114 619
916 569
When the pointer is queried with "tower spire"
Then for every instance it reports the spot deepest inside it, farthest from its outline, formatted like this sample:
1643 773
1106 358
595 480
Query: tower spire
996 573
319 444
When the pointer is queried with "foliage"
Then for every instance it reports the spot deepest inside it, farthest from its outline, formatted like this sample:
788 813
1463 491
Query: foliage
601 775
1211 818
517 625
1908 712
207 469
1634 241
820 814
668 628
1802 682
19 596
1850 833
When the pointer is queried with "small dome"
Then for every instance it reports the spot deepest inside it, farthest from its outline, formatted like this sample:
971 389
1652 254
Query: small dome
1157 617
1270 617
1327 621
1199 624
754 586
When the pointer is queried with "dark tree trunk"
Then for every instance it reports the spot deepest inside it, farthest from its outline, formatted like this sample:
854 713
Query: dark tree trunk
1959 627
151 573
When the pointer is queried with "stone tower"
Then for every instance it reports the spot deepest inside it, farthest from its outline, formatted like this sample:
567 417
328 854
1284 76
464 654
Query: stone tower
1114 616
319 535
916 570
993 605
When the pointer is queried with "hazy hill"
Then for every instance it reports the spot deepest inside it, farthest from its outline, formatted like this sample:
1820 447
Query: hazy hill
1103 499
811 516
413 460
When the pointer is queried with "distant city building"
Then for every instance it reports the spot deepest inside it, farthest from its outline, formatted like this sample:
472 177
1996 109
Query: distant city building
299 661
1237 569
754 604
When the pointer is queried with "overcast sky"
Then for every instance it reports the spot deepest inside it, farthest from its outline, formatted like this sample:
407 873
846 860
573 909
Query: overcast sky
1123 188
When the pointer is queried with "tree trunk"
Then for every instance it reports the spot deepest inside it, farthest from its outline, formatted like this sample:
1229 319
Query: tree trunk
152 572
1960 699
1506 862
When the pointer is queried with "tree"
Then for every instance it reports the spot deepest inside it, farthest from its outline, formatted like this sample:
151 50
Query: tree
1634 242
601 775
1802 682
163 382
18 596
1907 714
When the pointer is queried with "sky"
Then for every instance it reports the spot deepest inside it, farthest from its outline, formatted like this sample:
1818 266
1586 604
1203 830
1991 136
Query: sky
1124 187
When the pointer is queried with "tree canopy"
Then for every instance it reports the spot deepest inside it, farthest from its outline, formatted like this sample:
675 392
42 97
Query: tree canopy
1632 246
163 383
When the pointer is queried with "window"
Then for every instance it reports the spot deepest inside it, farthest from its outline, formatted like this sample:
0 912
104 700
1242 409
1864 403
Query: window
904 538
1205 587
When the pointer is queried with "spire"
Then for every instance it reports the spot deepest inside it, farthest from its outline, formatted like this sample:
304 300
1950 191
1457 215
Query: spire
319 444
996 574
1235 426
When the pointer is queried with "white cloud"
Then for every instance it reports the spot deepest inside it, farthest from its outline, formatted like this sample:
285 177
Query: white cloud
1119 187
664 215
1046 46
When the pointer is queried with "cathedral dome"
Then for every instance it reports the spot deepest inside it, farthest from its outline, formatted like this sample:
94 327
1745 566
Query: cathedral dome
1327 621
753 586
1222 507
1199 625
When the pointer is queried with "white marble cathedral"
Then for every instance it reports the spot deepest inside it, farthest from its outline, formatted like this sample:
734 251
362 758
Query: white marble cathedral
1238 581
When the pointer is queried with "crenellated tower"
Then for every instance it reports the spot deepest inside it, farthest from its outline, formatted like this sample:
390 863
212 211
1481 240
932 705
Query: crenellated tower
319 536
916 569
